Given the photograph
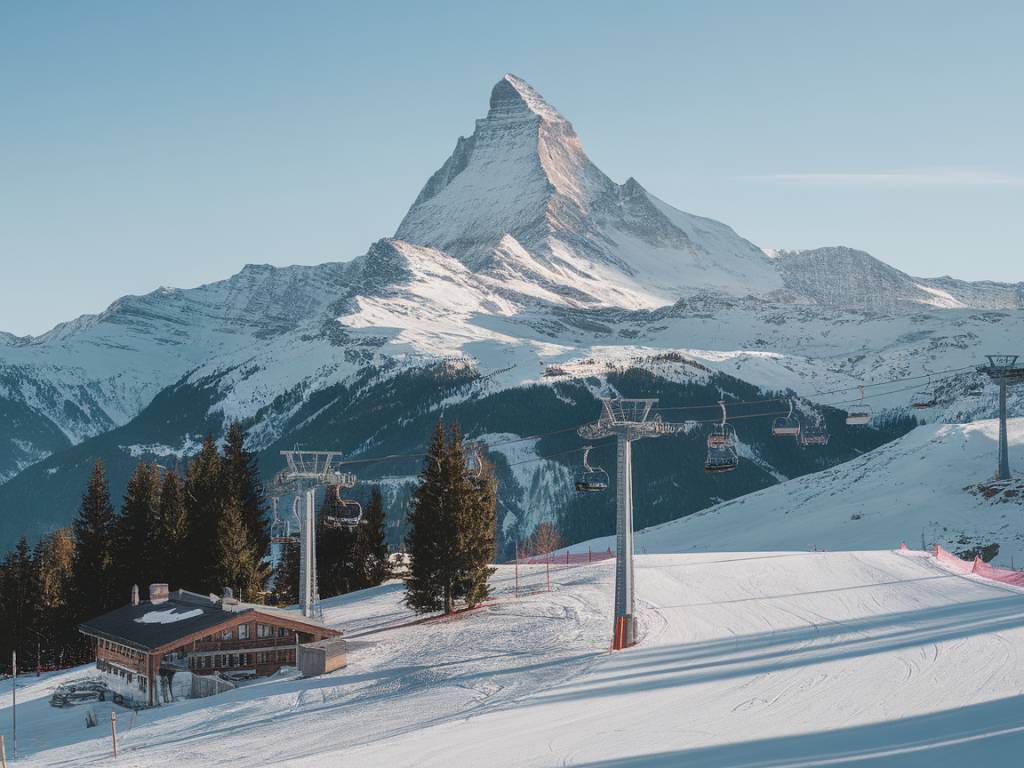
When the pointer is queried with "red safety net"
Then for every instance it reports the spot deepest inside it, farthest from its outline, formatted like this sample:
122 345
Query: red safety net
979 568
950 560
569 558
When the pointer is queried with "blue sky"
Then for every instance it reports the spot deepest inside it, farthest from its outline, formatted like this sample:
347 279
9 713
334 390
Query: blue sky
148 144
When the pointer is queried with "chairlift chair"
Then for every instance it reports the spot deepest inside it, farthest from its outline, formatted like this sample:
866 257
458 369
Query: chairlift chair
474 461
924 399
813 434
591 479
860 413
285 531
721 456
786 426
344 513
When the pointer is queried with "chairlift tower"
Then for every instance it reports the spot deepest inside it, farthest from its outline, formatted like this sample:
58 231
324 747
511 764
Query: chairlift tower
1005 372
627 420
307 471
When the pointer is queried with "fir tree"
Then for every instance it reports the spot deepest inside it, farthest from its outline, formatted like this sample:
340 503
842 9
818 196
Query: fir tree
95 578
18 603
54 560
429 534
169 537
238 564
477 534
436 575
242 483
134 552
286 575
204 497
335 552
371 550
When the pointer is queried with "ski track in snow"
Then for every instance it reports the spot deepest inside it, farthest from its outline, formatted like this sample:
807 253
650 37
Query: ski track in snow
755 659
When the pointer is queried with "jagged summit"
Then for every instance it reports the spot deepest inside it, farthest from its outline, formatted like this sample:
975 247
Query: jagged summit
513 93
520 197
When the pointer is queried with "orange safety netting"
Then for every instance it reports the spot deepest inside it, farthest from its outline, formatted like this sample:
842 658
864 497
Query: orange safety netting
979 568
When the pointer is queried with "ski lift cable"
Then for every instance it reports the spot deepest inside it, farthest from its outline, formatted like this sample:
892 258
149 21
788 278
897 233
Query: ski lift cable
785 399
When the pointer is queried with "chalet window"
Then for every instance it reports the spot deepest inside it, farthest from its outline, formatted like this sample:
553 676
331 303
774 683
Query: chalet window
263 630
243 631
225 635
282 632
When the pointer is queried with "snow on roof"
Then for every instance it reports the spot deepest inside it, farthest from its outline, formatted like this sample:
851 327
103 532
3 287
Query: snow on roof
168 616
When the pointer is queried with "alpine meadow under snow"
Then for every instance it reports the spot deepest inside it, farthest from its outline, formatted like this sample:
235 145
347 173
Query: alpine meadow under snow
779 625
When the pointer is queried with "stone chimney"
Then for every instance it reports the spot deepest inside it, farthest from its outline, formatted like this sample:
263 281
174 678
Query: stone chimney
158 593
135 594
228 601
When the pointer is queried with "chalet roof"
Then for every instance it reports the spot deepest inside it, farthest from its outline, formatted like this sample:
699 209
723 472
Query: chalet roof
146 627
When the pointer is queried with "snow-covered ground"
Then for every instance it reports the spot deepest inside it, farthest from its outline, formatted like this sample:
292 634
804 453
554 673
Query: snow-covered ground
906 490
757 659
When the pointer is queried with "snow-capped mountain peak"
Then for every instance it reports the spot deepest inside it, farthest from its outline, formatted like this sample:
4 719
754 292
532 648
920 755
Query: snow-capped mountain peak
523 175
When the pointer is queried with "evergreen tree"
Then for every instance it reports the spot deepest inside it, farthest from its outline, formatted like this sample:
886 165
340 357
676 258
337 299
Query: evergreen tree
335 551
371 561
430 532
18 604
436 575
286 575
94 575
477 534
238 564
204 498
134 548
54 560
169 536
242 483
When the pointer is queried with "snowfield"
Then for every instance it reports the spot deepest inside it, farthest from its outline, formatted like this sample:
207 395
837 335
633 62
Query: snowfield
757 659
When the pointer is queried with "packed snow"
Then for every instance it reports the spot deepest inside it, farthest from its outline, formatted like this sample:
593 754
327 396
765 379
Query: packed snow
756 659
167 617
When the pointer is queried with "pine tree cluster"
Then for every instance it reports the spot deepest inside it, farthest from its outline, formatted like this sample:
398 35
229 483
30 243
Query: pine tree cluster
202 531
202 528
451 539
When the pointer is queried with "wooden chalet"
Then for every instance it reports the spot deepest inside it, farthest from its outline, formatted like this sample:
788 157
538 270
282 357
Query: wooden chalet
142 645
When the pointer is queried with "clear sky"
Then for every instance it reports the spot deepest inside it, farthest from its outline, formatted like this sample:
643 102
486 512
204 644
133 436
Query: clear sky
149 144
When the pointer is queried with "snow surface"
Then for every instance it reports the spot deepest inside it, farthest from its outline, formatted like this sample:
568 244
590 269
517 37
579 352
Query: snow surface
758 659
168 616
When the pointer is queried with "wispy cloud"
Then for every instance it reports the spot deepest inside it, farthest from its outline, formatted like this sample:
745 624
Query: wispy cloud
923 177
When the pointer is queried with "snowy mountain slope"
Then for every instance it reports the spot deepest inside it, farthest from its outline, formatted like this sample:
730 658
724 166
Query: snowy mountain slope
845 278
912 488
737 653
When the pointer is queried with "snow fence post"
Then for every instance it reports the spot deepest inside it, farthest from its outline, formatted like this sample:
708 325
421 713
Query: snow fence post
113 730
517 569
3 752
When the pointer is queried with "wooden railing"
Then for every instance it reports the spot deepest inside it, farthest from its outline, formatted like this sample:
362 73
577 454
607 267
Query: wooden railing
245 645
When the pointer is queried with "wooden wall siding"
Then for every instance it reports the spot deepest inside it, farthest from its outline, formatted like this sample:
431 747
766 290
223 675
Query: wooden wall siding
121 656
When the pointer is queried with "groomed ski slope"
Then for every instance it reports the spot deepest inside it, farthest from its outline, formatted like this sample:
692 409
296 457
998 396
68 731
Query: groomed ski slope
756 659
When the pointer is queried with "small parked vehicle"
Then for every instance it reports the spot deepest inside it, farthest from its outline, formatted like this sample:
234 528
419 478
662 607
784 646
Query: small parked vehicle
79 693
